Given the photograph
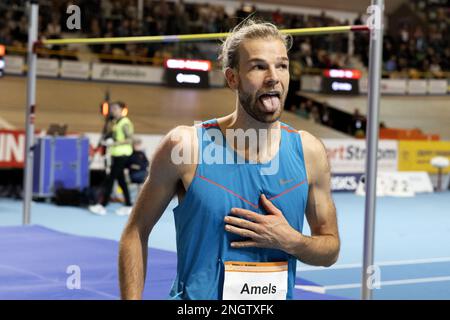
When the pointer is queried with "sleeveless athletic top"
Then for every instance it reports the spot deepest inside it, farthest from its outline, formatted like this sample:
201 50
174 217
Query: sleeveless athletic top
220 184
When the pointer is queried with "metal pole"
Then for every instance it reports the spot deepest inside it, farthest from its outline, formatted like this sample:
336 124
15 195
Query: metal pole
29 120
375 64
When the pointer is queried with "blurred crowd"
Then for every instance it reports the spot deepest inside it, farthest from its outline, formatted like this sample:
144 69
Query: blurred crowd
422 47
423 44
119 18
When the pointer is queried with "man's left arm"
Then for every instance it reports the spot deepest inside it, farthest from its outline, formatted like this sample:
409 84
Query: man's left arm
322 247
273 230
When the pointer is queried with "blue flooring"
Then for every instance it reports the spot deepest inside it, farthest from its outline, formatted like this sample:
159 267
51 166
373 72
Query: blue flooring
406 229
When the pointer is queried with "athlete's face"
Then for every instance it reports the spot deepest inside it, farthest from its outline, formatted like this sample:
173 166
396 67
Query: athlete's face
262 78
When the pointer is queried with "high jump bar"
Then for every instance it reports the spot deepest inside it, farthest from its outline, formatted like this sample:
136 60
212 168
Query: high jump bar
201 36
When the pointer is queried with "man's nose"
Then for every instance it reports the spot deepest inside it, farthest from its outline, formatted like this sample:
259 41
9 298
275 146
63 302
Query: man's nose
272 77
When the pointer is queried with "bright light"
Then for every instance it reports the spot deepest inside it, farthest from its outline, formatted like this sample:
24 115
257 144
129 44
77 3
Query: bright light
2 64
187 78
342 73
200 65
341 86
105 108
2 50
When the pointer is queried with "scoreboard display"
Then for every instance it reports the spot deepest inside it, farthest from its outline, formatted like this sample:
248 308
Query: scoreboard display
184 73
341 81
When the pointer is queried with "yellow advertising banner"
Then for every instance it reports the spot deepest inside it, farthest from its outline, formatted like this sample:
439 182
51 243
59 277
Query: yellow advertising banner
416 155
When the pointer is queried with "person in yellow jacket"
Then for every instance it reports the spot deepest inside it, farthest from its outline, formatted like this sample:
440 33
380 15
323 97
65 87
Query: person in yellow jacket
120 149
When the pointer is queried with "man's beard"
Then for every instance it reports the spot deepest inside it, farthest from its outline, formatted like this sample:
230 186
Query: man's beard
250 104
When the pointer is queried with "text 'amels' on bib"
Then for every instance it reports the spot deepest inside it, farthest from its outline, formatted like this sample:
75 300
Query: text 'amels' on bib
255 280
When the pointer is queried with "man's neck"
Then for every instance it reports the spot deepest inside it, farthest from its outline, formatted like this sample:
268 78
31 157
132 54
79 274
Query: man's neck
266 136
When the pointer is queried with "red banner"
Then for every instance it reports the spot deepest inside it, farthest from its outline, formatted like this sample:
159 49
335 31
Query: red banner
12 148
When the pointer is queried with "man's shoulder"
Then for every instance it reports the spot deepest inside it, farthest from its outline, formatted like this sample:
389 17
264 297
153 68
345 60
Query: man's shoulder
315 156
310 140
181 139
182 132
313 147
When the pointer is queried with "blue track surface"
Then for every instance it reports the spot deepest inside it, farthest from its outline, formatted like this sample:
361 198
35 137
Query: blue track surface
39 263
412 241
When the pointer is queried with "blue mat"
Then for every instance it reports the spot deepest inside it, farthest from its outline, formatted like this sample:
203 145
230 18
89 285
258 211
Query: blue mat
35 264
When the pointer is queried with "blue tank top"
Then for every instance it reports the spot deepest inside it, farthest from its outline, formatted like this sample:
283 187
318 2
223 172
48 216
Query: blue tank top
203 245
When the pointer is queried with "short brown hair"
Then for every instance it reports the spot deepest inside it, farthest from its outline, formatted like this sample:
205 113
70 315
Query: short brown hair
248 29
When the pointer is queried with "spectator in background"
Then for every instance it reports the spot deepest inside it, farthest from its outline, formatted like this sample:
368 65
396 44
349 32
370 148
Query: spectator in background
435 67
326 118
20 31
404 34
53 30
391 64
119 18
5 36
120 148
295 72
302 111
244 11
124 28
306 53
323 60
446 59
356 128
358 20
277 18
106 7
137 163
419 39
315 114
388 50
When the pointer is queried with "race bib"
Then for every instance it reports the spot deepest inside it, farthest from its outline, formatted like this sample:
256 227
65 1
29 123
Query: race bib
255 280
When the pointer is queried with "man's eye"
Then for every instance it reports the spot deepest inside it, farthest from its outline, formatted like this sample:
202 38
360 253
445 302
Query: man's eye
284 66
258 67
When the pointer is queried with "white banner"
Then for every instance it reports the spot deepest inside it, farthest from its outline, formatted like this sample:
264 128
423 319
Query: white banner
347 156
311 83
417 86
216 78
399 184
344 182
419 180
437 86
363 85
47 67
391 86
122 73
14 64
75 70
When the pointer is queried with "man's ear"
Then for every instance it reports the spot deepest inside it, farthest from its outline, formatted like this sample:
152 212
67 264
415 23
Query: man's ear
232 78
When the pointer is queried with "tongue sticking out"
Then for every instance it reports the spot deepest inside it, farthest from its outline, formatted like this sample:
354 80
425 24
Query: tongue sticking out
272 103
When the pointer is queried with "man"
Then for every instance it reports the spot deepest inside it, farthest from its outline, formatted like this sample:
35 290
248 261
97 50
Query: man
137 163
236 216
120 148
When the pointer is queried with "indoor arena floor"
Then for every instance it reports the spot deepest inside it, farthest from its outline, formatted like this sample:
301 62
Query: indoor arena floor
411 250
